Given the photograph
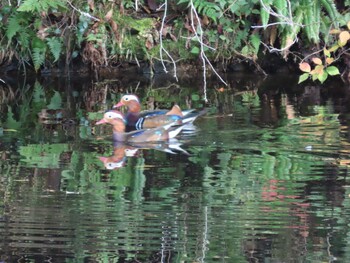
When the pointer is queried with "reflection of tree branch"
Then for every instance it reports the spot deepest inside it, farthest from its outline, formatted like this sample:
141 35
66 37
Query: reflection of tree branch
161 42
198 32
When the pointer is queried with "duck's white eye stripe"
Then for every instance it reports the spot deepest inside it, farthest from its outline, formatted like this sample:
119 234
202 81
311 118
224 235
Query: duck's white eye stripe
130 97
113 115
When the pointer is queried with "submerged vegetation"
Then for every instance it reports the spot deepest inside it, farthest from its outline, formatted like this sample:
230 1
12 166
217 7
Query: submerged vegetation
59 34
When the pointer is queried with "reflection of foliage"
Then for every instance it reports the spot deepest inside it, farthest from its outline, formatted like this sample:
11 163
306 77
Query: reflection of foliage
240 183
43 155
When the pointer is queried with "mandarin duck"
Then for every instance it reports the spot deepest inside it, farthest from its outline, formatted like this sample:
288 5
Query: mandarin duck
118 121
137 119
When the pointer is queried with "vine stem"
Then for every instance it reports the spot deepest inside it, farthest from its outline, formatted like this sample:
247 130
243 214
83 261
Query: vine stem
165 5
198 32
83 13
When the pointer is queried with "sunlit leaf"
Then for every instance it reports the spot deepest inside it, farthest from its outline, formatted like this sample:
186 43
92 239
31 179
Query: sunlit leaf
332 70
322 77
344 36
334 31
317 61
195 50
303 77
348 25
326 52
329 61
334 48
305 67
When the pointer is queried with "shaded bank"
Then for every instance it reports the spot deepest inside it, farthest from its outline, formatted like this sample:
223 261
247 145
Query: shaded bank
221 35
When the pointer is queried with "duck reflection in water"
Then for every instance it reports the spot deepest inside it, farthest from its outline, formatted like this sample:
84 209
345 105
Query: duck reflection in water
123 151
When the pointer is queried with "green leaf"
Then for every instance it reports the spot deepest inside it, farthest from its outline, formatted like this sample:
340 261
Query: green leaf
39 94
255 40
13 27
322 77
332 70
38 56
195 50
55 46
11 123
303 77
56 102
195 97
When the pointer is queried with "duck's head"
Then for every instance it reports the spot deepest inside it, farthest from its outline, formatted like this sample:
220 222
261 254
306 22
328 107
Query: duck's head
111 164
115 118
130 101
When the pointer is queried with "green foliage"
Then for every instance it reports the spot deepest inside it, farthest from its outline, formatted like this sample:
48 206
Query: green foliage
47 31
39 6
55 46
38 56
56 102
17 26
11 123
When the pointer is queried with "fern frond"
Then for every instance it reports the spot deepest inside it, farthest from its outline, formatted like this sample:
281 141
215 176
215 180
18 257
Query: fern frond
264 14
38 56
30 6
13 27
310 20
39 6
24 38
55 46
332 11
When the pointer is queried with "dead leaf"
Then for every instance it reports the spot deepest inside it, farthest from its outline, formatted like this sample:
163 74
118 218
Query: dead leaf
205 20
149 44
109 15
273 35
91 5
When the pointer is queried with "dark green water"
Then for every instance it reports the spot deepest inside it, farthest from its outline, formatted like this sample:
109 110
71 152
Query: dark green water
263 178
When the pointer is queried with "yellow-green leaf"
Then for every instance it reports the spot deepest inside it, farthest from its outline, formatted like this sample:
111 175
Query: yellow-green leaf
348 24
303 77
332 70
326 52
334 48
322 77
305 67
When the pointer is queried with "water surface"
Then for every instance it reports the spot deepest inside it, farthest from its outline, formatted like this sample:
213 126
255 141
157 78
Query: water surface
262 179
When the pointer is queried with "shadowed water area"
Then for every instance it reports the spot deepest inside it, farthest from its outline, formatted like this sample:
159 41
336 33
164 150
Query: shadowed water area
262 177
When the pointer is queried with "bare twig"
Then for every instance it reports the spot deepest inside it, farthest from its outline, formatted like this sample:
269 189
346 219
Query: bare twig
165 5
198 32
83 13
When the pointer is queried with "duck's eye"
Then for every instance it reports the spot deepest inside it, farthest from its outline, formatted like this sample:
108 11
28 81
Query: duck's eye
126 98
109 116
